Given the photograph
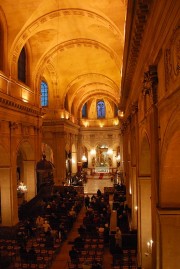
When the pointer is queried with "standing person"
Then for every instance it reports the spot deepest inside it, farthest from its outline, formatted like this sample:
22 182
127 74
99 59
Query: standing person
118 238
87 201
99 193
74 255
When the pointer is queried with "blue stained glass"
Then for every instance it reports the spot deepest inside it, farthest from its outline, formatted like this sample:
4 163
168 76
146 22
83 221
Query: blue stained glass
44 93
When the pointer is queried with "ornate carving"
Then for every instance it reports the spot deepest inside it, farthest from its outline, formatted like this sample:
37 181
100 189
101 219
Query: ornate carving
13 105
132 111
150 83
172 57
13 125
142 9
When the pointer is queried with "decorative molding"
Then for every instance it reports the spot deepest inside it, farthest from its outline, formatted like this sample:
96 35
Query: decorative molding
172 58
19 107
13 125
139 15
126 122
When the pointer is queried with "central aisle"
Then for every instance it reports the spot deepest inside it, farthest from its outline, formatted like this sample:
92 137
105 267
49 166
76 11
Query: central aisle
61 260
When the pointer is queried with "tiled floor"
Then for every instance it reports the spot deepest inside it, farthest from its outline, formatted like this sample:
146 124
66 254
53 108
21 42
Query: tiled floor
61 260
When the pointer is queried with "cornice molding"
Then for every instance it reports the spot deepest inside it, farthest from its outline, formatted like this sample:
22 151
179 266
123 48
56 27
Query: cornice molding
136 23
13 105
126 122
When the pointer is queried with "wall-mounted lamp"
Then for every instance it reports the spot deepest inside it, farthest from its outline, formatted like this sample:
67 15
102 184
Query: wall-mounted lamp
93 151
118 158
109 152
149 247
21 188
120 113
84 159
86 123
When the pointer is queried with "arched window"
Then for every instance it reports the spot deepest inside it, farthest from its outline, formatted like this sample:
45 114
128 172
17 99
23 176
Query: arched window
84 111
100 109
22 66
44 93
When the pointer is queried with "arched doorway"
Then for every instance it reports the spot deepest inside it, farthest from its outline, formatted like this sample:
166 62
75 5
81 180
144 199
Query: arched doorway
25 169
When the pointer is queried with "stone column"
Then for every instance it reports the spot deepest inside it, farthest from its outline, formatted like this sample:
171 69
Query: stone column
144 222
74 162
30 179
134 199
60 157
9 208
169 236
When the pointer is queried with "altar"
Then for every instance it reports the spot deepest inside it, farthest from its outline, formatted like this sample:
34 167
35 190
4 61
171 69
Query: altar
102 169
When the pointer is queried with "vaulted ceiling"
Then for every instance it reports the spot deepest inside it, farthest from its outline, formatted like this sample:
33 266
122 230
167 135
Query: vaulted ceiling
75 45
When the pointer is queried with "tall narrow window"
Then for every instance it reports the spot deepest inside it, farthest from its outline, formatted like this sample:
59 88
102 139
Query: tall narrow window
100 109
44 93
22 66
84 111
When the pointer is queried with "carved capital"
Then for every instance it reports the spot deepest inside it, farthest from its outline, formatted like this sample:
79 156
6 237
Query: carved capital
150 83
13 125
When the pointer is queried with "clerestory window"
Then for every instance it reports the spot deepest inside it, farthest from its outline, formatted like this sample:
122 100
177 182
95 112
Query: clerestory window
44 93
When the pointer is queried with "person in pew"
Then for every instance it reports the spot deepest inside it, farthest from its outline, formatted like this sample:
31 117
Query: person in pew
96 265
46 227
32 256
49 240
23 254
39 222
86 265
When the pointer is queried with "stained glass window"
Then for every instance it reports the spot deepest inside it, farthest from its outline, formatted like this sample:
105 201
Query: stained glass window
84 111
100 109
44 93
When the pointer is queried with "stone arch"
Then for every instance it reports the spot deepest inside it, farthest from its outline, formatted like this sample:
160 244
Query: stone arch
25 160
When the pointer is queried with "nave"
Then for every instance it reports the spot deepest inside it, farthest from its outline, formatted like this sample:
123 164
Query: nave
58 255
